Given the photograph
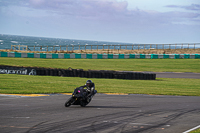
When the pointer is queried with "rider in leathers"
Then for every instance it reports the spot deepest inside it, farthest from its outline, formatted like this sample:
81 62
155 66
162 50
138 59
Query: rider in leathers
90 89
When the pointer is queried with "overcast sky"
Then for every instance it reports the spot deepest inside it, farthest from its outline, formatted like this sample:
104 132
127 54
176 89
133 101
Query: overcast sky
130 21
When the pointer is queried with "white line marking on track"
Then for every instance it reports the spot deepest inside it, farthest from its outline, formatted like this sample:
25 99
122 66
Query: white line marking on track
192 129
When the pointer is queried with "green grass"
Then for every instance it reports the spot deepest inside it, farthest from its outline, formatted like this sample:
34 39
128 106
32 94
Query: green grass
196 131
154 65
25 84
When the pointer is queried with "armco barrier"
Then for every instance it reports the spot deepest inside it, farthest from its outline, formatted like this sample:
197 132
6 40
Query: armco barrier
98 56
77 73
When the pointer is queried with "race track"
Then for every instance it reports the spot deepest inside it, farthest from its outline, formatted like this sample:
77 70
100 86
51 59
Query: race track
177 75
105 114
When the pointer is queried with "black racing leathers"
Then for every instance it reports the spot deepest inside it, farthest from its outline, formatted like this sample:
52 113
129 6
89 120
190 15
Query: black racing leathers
90 89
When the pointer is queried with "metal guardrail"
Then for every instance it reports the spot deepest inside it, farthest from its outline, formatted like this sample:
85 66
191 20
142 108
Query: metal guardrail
104 47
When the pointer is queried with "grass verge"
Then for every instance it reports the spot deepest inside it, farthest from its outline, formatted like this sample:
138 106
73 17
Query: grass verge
196 131
154 65
25 84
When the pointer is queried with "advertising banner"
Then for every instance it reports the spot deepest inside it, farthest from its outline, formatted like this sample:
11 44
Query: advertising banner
17 70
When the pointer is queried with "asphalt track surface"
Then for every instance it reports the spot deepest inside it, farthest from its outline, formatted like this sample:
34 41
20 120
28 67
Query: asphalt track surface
177 75
105 114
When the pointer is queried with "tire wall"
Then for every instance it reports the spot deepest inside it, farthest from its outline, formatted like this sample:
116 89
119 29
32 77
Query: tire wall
77 73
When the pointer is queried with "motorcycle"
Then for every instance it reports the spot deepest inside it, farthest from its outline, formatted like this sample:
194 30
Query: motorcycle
79 97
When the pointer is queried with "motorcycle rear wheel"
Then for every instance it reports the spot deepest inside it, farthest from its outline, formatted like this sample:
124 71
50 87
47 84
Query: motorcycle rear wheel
83 104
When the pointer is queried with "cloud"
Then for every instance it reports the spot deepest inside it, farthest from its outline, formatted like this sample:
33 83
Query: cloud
82 8
112 10
101 10
98 20
37 3
190 15
104 12
194 7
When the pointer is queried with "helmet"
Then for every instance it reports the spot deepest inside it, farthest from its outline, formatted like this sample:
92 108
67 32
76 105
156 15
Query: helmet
88 83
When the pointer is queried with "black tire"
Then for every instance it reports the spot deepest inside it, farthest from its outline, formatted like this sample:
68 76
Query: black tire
82 103
68 102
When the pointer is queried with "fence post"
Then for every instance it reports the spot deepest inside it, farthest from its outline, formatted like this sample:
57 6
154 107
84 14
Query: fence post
91 47
34 47
26 47
79 47
85 47
60 47
97 47
47 48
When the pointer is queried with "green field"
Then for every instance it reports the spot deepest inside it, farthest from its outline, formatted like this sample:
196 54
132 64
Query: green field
154 65
25 84
196 131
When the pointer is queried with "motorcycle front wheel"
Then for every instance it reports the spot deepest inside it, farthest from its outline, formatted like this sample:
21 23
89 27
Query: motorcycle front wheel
68 102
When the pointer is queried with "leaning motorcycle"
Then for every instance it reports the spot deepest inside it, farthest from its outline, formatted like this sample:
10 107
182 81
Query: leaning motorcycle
79 97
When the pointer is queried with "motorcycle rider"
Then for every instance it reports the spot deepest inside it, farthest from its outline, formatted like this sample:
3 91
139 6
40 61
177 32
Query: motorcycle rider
90 89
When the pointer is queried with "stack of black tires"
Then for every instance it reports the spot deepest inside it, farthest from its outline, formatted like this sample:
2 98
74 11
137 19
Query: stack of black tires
78 73
96 74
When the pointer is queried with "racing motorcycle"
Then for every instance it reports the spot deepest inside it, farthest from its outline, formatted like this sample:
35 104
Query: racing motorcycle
79 97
